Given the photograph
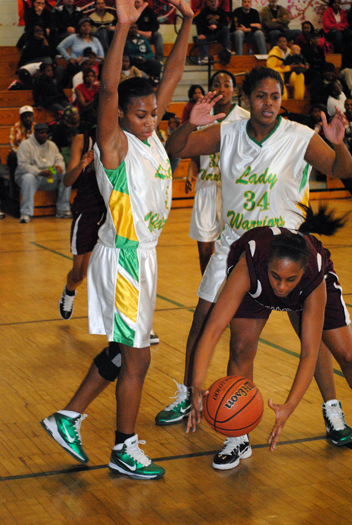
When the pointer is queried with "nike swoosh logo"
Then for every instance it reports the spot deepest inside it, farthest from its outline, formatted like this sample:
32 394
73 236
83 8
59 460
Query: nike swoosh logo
127 465
183 410
69 438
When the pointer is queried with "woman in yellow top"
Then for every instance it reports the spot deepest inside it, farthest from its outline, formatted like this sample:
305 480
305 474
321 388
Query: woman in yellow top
275 61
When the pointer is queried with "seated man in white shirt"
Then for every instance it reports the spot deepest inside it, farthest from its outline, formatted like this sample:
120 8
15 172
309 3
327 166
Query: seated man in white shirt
40 166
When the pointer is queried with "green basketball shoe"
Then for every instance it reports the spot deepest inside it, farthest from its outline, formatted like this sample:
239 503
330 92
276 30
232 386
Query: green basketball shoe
66 432
129 459
336 427
179 409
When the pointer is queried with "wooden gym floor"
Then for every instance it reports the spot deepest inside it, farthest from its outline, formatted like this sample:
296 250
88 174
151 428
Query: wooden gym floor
305 481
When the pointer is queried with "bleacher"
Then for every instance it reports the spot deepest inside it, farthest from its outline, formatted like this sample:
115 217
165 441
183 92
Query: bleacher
11 101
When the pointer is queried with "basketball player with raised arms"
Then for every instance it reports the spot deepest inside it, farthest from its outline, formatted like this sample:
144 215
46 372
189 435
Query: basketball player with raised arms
271 268
134 177
265 163
206 223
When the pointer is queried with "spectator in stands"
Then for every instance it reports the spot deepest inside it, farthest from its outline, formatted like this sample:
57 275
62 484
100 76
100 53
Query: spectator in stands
336 98
84 63
70 121
24 80
103 24
41 167
318 88
19 132
141 55
66 18
307 31
85 92
246 27
276 60
47 93
37 15
37 48
195 92
212 26
334 24
275 22
148 26
298 59
77 43
314 54
128 71
96 64
173 123
314 121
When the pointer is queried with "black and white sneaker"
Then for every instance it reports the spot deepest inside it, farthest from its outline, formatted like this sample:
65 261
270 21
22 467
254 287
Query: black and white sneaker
66 305
235 448
154 339
336 427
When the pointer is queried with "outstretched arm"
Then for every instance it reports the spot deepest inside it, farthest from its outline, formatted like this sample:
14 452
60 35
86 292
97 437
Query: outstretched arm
230 299
175 62
336 162
77 162
311 333
110 138
186 142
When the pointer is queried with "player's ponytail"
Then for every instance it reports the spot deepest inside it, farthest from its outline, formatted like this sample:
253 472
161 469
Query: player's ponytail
322 222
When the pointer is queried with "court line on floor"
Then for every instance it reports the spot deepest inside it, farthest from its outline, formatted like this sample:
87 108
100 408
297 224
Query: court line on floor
52 251
85 468
70 258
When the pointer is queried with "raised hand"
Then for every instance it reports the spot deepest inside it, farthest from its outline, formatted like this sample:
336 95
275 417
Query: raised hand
282 413
87 159
335 130
126 11
200 114
183 7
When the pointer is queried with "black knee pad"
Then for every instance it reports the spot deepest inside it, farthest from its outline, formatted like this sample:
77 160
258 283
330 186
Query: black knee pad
108 362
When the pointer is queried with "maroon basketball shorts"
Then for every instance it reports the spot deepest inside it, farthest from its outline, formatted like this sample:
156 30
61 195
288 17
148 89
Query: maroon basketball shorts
84 231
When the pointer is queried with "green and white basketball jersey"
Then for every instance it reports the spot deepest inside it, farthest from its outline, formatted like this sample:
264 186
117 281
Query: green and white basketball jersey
263 182
137 194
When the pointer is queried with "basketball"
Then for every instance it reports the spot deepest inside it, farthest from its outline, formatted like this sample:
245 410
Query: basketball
234 406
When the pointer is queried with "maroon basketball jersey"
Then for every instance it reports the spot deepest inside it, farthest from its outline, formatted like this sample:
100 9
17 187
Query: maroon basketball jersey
256 243
88 197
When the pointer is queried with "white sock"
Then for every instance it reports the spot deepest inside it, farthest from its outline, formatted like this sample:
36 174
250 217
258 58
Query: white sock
69 413
331 402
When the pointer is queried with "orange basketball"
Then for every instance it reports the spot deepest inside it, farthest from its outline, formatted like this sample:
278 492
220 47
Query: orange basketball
234 406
